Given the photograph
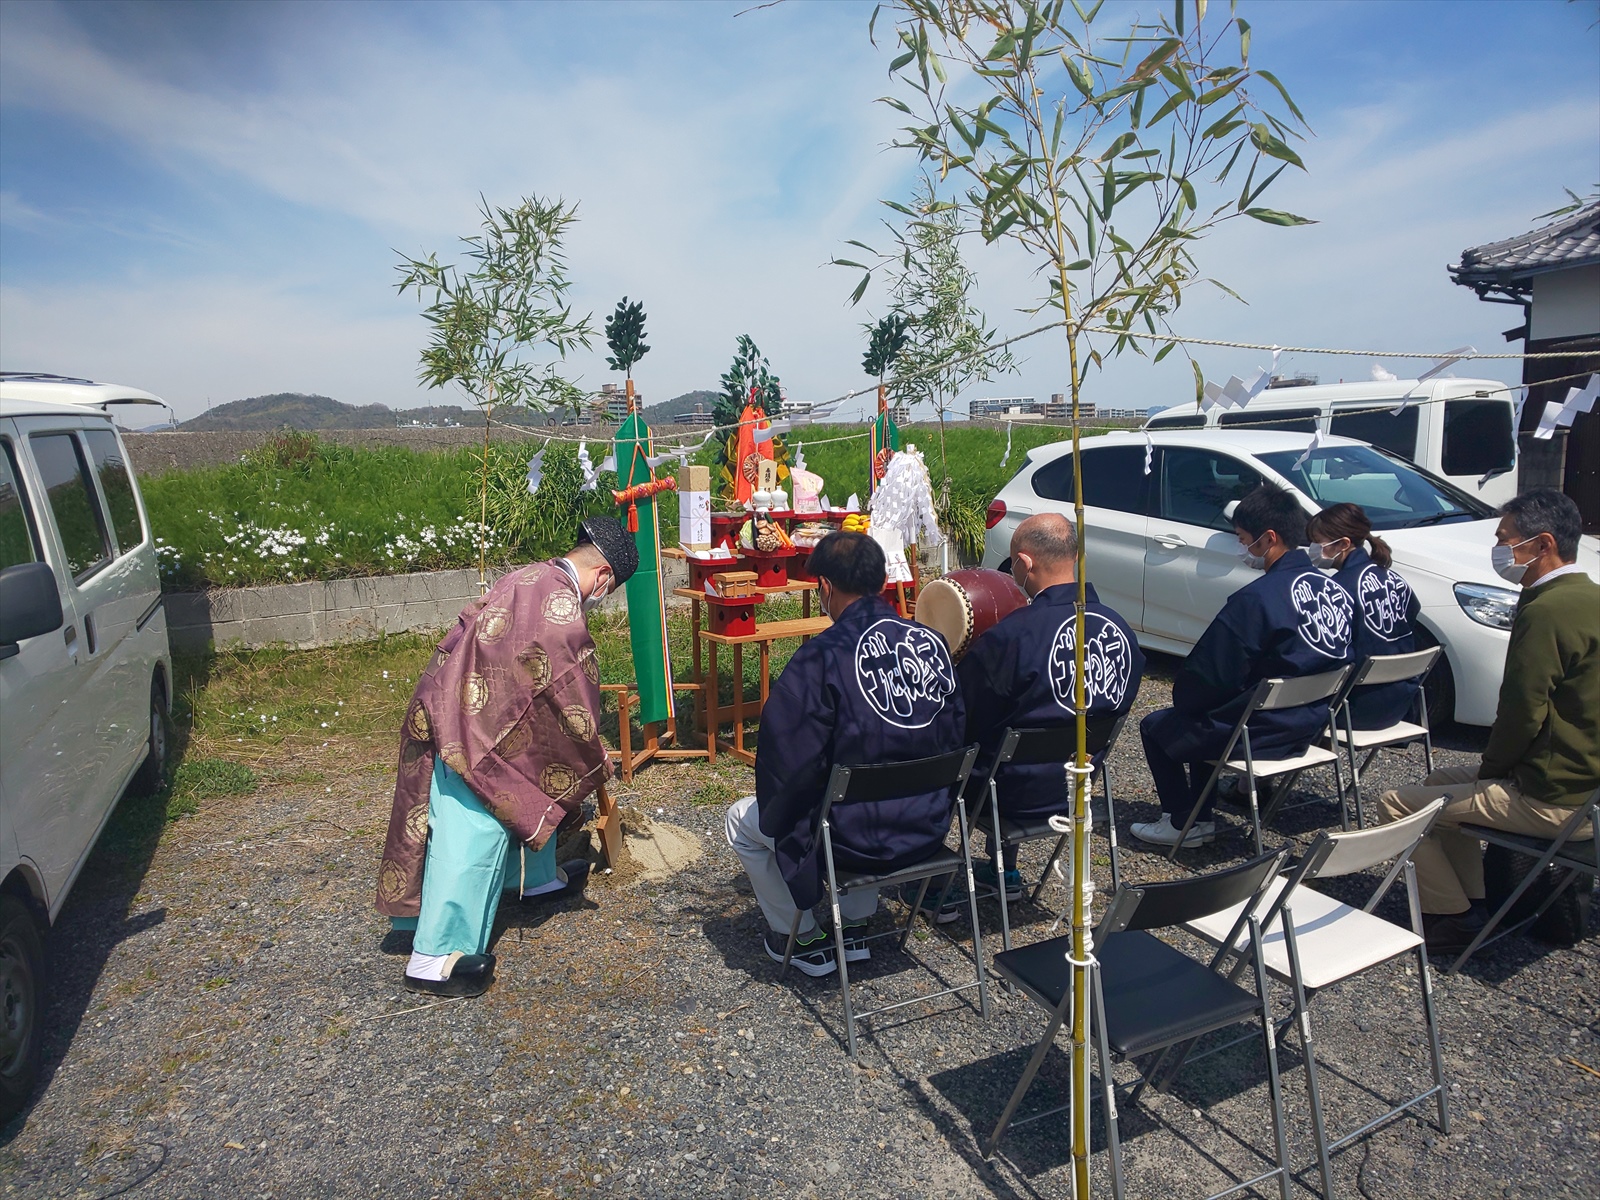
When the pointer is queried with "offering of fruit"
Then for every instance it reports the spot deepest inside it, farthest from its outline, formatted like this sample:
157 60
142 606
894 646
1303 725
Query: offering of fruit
857 523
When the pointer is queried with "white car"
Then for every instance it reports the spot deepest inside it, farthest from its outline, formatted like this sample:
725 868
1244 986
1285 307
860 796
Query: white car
85 672
1161 549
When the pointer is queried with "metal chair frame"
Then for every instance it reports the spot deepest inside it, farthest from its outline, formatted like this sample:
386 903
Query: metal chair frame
1269 695
1384 666
1553 851
1030 746
888 781
1327 858
1121 915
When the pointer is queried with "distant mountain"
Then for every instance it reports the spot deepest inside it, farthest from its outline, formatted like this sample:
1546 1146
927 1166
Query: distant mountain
299 411
669 411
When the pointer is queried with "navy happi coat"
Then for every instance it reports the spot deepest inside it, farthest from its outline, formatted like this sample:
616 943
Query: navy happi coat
1292 621
1385 608
872 688
1020 674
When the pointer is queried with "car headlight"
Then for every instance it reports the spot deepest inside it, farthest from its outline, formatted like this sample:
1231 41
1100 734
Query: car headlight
1491 606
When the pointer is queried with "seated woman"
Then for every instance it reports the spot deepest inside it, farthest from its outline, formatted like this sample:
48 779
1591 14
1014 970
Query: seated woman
1385 607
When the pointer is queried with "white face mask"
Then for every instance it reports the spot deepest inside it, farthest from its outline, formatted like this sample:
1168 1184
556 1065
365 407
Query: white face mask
592 601
1503 559
1323 554
1252 560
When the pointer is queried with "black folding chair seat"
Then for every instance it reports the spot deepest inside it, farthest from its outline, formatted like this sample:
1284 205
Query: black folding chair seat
941 862
1579 856
1155 995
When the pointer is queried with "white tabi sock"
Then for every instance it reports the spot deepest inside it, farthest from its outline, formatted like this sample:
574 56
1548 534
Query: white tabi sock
431 966
555 885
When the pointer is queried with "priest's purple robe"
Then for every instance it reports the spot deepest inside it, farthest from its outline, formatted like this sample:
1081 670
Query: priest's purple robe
510 701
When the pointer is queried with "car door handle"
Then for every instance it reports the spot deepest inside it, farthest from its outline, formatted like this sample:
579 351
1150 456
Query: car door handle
1170 541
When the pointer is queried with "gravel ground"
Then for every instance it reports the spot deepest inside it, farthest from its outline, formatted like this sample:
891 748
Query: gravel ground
229 1022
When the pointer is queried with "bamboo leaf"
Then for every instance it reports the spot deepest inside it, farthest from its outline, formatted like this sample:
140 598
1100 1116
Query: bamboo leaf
1199 375
1244 40
1273 146
1164 351
1284 92
901 60
1002 46
1079 75
1273 217
1265 184
1166 109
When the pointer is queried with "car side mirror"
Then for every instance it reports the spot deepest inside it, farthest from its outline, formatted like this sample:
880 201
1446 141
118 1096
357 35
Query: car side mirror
1228 509
30 604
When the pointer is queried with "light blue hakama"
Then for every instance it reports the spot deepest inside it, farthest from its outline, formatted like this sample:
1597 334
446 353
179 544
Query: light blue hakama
469 865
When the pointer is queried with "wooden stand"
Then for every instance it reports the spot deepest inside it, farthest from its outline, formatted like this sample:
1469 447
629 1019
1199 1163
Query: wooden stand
627 761
763 637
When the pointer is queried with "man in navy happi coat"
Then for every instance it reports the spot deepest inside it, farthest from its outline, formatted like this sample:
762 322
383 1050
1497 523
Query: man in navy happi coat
1019 674
1292 621
872 688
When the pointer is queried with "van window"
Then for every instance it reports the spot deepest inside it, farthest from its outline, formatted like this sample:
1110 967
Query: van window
1187 421
79 521
1196 485
1113 477
117 487
19 541
1384 428
1284 420
1477 437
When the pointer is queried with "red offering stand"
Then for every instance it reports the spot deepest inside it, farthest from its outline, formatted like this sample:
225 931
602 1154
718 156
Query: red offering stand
771 567
733 618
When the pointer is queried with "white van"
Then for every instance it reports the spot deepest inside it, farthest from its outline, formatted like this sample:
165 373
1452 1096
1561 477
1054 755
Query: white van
1459 429
85 672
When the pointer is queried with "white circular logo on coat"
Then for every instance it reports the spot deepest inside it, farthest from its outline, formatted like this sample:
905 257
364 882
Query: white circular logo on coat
1385 599
1325 610
904 672
1107 662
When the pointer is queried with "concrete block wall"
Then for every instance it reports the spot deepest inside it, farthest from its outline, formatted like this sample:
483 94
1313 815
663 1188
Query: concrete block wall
307 615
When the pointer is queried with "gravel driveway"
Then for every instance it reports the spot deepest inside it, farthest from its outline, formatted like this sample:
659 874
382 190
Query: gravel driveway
229 1022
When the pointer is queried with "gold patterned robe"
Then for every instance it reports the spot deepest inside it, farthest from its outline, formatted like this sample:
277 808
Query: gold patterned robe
510 700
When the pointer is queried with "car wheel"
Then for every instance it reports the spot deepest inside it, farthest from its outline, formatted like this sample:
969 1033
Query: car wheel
152 776
1439 690
22 992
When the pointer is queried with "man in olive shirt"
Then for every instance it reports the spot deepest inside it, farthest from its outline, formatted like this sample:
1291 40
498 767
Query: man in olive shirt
1543 756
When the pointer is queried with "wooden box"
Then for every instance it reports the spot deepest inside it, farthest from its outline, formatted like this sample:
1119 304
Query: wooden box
735 585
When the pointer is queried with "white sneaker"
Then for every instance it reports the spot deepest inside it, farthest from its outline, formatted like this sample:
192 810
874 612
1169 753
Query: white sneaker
1164 833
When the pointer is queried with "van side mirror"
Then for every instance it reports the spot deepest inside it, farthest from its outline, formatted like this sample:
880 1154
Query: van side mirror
30 604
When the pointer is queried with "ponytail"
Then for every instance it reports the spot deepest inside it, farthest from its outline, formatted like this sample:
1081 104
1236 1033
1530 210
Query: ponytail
1380 551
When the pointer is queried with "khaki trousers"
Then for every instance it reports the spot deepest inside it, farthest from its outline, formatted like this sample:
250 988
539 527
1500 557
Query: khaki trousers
1449 862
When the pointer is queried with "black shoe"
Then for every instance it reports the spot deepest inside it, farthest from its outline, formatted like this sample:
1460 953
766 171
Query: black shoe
471 975
1451 933
855 941
954 906
813 955
574 873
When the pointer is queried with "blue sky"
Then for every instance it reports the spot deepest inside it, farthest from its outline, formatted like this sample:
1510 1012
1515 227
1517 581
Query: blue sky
206 200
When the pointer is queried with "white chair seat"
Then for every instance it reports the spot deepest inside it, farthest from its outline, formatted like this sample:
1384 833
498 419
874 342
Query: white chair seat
1400 731
1335 941
1265 768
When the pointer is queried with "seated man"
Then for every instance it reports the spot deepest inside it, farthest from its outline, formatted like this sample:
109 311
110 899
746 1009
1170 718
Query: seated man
1292 621
1543 754
873 688
500 741
1020 674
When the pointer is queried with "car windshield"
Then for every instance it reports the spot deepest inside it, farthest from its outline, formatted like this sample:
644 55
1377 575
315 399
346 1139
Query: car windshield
1395 494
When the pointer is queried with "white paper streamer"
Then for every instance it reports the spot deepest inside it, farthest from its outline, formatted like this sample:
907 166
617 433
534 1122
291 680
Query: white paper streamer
1006 457
536 470
1316 440
1450 358
902 507
591 477
762 436
1149 452
799 463
1548 419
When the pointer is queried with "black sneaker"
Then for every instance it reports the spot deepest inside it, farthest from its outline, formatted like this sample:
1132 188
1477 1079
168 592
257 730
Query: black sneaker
855 942
954 906
813 956
1453 932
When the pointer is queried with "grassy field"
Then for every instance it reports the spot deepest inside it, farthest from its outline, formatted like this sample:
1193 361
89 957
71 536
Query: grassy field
300 508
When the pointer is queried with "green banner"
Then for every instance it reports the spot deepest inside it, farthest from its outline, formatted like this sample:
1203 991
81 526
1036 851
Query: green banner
647 615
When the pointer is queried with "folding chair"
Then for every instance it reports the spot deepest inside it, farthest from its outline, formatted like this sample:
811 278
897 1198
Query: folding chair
1147 996
1565 850
1047 744
892 781
1269 696
1326 942
1377 670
